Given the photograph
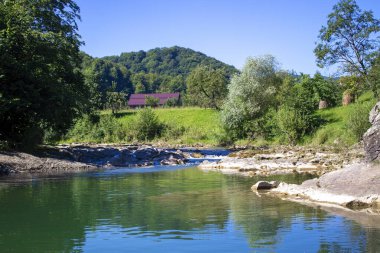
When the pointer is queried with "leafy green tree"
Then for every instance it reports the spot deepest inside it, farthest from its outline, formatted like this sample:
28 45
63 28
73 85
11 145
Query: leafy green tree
103 76
165 69
374 74
349 40
207 87
327 89
295 117
152 101
41 86
147 124
115 101
251 94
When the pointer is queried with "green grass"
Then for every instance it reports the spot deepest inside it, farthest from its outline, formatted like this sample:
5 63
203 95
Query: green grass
335 130
193 126
199 126
185 125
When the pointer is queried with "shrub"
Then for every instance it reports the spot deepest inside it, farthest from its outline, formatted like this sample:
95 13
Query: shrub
147 125
291 124
358 122
152 101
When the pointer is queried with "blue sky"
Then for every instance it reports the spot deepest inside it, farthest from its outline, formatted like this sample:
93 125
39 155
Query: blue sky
229 30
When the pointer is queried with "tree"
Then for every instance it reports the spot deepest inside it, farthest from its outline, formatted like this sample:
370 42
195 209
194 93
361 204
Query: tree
251 94
349 40
207 87
41 86
327 89
152 101
295 116
115 101
374 73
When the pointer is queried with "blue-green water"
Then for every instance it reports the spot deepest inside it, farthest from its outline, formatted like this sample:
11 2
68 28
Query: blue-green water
176 210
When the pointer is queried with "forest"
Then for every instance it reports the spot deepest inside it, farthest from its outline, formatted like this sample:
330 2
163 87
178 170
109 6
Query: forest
50 90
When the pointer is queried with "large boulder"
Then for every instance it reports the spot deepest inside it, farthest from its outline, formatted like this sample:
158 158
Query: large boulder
371 138
265 185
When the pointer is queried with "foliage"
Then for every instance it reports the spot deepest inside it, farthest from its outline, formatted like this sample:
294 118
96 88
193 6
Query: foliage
116 101
152 101
334 130
179 126
104 77
97 129
165 69
353 85
374 74
358 122
295 117
40 83
327 90
291 123
147 124
251 94
206 87
349 39
171 102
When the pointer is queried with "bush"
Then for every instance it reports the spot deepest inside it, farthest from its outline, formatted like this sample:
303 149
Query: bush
95 128
291 124
147 125
358 122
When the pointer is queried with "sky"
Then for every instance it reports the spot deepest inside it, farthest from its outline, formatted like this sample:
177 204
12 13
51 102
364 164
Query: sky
228 30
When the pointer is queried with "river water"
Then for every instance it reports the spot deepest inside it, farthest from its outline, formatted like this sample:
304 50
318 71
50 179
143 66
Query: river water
168 209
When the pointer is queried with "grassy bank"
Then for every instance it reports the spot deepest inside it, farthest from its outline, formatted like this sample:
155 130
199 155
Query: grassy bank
188 125
340 126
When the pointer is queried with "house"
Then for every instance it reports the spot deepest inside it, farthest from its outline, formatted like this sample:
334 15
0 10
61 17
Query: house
139 100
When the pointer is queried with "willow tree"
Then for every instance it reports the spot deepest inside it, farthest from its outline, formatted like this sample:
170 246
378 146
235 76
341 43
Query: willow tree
40 82
349 40
250 95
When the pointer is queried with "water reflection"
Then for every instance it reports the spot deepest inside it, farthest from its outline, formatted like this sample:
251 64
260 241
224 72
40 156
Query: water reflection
168 211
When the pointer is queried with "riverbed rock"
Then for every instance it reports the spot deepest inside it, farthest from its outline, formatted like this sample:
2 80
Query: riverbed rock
172 161
371 138
265 185
356 187
18 162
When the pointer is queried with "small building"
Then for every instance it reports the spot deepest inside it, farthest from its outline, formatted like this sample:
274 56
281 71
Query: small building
139 100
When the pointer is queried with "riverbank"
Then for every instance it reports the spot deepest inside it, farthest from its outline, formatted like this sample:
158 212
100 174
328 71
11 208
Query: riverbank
78 158
279 160
19 163
354 187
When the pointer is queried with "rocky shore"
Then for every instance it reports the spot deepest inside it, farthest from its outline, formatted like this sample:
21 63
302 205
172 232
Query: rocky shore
355 187
79 158
285 160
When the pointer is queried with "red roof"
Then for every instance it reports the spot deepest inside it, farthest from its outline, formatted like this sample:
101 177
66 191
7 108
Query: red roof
139 99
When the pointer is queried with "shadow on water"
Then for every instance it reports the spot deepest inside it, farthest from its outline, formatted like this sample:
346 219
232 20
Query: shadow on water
168 210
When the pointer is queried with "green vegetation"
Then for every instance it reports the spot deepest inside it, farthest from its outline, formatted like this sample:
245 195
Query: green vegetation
340 126
343 125
166 125
41 86
206 87
159 70
349 40
49 90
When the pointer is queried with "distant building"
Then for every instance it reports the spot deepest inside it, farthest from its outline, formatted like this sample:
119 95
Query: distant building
139 100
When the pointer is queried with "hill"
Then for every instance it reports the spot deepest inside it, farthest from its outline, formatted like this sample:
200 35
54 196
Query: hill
159 70
170 61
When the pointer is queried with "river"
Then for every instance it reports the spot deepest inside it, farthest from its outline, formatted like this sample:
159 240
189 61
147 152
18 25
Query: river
167 209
